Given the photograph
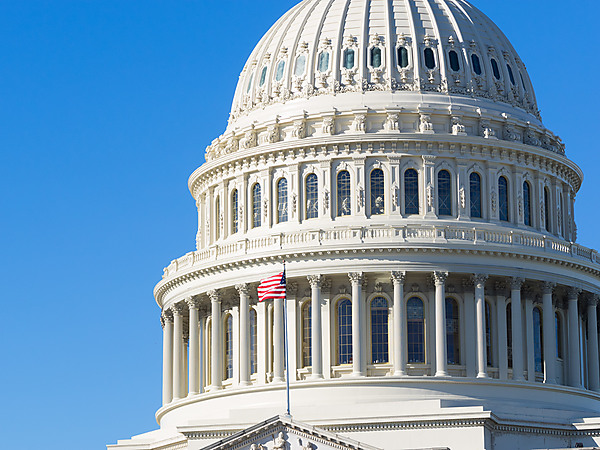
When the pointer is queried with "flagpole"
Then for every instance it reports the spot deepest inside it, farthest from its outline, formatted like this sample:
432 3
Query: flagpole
285 341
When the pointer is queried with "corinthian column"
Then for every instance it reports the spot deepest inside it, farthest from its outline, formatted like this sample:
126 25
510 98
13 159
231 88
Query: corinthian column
315 326
592 330
549 327
244 334
517 328
278 343
479 280
166 320
194 356
357 334
441 357
216 371
574 359
177 311
399 332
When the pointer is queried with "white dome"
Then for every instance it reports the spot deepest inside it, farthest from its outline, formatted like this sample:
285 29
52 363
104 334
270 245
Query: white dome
451 48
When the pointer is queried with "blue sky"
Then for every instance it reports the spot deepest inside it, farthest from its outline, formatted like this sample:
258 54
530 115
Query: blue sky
105 109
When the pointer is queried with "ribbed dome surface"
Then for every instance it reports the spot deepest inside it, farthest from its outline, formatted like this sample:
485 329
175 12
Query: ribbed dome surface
329 47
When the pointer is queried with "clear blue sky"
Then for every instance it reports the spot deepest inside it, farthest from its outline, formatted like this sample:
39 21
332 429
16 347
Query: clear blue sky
105 109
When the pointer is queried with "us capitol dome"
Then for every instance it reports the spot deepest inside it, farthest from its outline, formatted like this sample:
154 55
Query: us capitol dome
393 154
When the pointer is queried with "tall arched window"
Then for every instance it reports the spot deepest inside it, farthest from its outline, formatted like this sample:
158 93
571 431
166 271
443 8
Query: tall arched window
488 334
444 193
253 342
306 334
415 316
509 333
411 192
547 208
452 331
538 343
344 329
527 203
235 220
218 218
379 330
282 201
503 198
559 344
208 352
475 194
377 192
228 347
344 208
561 215
256 201
312 197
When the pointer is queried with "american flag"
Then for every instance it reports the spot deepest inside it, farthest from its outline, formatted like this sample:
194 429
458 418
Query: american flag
272 287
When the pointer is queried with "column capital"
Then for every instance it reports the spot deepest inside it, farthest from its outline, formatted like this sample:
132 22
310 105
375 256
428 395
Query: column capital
548 287
355 277
479 279
440 278
573 293
166 316
315 280
592 300
398 276
243 288
177 309
192 303
214 295
516 283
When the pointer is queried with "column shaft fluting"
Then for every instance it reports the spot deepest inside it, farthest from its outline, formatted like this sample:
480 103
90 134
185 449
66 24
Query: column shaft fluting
479 281
399 319
244 335
177 351
574 358
316 347
357 356
592 331
216 372
167 322
441 351
549 327
517 329
194 349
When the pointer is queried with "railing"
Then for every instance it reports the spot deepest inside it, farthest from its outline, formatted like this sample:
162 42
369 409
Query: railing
388 236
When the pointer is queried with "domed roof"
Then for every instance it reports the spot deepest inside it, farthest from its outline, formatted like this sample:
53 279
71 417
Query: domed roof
393 52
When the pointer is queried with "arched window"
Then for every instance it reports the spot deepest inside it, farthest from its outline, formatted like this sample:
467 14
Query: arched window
411 192
376 57
377 192
218 218
561 215
249 86
208 359
526 203
509 333
444 193
344 208
547 208
228 347
300 65
476 64
306 334
348 58
235 220
253 342
312 197
415 317
495 69
538 343
452 331
454 62
488 334
510 74
256 201
344 328
403 57
379 330
429 58
475 194
323 64
503 198
282 201
263 77
279 73
559 344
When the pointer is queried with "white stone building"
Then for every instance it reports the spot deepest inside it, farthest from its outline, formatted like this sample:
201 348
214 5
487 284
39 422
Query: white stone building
392 153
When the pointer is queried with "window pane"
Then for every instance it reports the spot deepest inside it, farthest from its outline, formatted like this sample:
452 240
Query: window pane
234 211
559 350
300 65
488 334
402 57
218 218
415 330
411 192
256 201
452 331
454 63
379 330
323 61
377 192
344 332
312 195
229 347
527 204
503 198
522 81
547 208
476 64
509 333
429 58
495 69
282 201
475 194
249 83
306 334
279 74
263 76
510 74
444 193
376 57
538 351
343 193
349 58
253 342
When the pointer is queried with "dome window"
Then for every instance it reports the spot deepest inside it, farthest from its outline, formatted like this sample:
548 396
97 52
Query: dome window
376 57
249 83
454 63
348 58
403 57
495 69
510 74
429 58
323 62
263 77
300 65
522 81
279 73
476 64
344 207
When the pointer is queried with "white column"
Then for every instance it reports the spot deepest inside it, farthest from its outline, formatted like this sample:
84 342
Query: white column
166 320
315 326
244 334
549 327
278 341
261 342
194 350
177 311
592 329
529 339
357 334
399 330
479 281
470 320
441 357
502 331
517 329
574 358
216 371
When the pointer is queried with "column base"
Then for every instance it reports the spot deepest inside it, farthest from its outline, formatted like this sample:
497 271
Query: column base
482 375
278 380
245 383
441 374
316 376
214 388
191 394
358 374
400 373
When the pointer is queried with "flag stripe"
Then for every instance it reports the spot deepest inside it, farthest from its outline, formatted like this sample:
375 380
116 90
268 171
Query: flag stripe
272 287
